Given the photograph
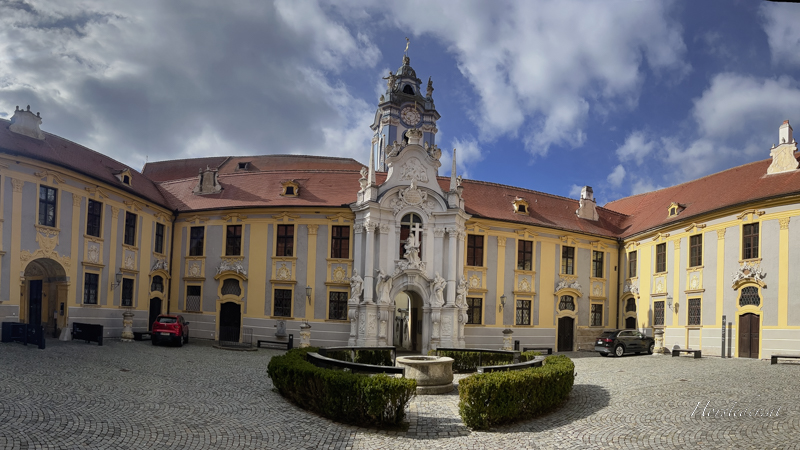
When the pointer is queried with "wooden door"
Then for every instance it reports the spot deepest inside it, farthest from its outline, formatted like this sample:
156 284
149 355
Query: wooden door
35 302
155 310
630 323
565 334
748 335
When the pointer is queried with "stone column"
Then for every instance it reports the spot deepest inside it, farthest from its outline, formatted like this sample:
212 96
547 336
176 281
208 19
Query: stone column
452 266
352 315
385 311
369 263
127 326
508 339
658 335
426 329
305 335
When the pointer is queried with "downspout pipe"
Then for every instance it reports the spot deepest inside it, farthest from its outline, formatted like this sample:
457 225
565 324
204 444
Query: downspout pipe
171 253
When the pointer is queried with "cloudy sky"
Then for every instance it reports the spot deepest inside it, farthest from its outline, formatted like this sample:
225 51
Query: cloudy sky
625 96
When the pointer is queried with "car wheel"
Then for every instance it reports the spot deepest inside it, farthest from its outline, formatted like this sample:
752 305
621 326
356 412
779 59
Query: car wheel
619 350
652 348
603 354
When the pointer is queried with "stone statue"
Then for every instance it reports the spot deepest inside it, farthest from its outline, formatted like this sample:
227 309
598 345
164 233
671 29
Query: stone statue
437 286
363 180
356 286
430 88
461 293
391 80
384 287
412 251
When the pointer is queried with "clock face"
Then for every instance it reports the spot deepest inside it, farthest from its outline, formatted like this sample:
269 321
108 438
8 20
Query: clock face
410 116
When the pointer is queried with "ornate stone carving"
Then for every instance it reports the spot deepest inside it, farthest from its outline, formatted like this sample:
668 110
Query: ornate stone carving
501 241
461 293
129 262
721 234
597 289
412 196
160 264
447 326
339 274
283 272
676 244
114 212
356 286
630 287
564 283
474 282
312 229
749 271
76 201
783 159
47 238
370 226
411 257
524 285
16 185
372 324
438 232
383 288
93 253
362 323
384 228
232 265
784 223
660 287
363 180
195 269
413 170
694 281
437 288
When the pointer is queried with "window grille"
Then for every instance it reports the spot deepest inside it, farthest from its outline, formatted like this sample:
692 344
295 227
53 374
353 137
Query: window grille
597 315
193 298
523 312
157 284
337 306
749 296
127 292
630 305
474 310
567 303
90 282
694 311
283 302
231 287
658 313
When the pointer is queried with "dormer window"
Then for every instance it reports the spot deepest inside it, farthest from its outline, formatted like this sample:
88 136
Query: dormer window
520 206
124 176
243 166
290 188
675 209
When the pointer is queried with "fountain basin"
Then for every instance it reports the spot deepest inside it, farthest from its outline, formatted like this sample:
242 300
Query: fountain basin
434 374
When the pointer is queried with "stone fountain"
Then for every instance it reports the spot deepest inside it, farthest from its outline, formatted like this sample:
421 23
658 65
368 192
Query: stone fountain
434 374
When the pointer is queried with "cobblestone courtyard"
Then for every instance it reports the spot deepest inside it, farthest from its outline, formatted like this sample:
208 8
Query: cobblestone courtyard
136 396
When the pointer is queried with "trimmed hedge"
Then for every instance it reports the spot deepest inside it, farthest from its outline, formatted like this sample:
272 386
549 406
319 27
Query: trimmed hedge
340 395
466 361
489 399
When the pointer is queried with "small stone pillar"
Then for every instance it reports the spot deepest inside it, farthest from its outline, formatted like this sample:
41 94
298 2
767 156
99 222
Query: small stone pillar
127 326
508 336
658 335
305 335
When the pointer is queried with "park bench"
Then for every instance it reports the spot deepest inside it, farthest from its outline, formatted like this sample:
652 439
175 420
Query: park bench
678 351
88 332
774 358
288 345
549 350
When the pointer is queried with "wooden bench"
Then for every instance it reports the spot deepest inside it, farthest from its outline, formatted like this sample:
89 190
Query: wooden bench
678 351
88 332
549 350
774 358
280 344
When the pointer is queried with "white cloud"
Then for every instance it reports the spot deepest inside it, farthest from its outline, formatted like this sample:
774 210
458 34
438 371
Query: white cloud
545 92
616 177
642 185
636 148
783 34
575 191
468 153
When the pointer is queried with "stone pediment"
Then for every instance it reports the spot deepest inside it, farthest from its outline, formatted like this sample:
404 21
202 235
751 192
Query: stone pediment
412 163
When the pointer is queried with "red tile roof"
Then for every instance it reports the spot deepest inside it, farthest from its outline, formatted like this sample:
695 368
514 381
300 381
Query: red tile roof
737 186
65 153
178 169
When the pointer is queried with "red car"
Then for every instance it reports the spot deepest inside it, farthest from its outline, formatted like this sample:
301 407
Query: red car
170 328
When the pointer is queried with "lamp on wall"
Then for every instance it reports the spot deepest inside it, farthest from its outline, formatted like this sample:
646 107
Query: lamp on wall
118 279
502 301
308 293
672 306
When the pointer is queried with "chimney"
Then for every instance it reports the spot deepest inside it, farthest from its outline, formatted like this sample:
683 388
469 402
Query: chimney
588 207
785 133
783 159
26 123
208 182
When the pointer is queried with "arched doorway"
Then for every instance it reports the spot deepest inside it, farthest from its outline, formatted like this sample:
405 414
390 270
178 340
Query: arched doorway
749 330
45 295
230 321
567 309
566 335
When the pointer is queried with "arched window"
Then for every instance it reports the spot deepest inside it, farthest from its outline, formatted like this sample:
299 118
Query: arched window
157 284
410 221
407 89
567 302
749 296
630 305
231 287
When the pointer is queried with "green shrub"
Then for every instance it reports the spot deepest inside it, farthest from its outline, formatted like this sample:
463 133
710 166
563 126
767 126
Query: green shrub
374 357
340 355
340 395
489 399
528 356
466 361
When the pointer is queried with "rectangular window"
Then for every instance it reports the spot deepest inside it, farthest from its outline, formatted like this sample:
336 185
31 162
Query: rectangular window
525 255
285 240
658 313
283 301
568 260
696 250
474 310
474 250
597 315
90 284
196 238
194 295
632 264
340 242
694 311
130 228
750 241
233 240
337 306
94 217
127 292
661 257
523 312
159 241
597 264
47 206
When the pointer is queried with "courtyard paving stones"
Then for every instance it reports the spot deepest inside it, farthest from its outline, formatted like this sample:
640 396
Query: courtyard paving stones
136 396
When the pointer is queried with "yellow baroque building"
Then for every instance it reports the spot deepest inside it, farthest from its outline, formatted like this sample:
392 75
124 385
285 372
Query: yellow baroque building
393 254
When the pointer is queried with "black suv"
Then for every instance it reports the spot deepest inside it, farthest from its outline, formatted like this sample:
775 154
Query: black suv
619 342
